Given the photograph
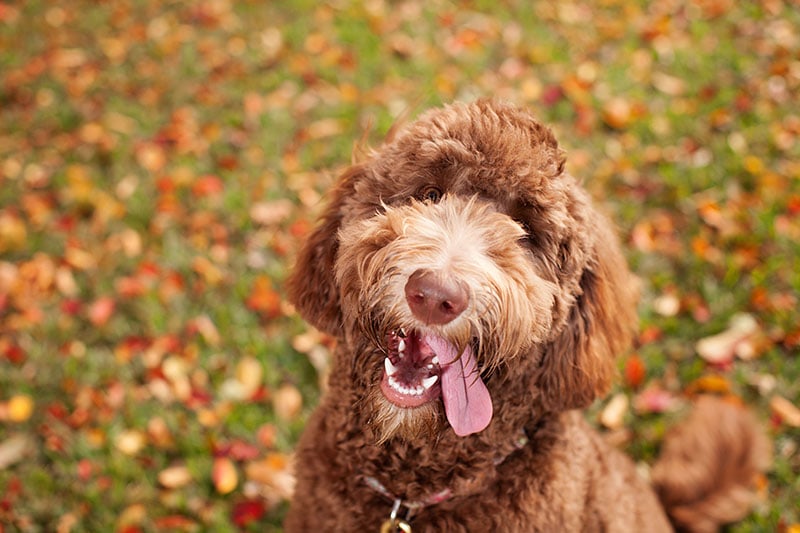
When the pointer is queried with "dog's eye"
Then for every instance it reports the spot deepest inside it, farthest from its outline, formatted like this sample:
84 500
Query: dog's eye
430 194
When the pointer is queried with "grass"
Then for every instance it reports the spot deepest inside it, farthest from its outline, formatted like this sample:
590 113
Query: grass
160 164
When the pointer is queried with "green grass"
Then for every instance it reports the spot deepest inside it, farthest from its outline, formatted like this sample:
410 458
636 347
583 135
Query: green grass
114 115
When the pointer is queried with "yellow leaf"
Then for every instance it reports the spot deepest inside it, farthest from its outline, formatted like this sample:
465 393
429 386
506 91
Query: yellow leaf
249 373
20 408
175 477
130 441
224 475
287 402
786 410
13 233
613 415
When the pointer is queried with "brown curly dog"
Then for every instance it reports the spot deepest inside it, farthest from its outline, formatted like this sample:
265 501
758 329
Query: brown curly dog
479 299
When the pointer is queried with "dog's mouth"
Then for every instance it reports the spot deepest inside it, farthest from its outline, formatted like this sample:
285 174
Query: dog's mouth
422 367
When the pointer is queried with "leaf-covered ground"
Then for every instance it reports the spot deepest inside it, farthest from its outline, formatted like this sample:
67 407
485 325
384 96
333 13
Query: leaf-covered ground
161 161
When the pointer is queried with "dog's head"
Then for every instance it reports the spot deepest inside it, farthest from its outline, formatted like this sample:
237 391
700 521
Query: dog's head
460 262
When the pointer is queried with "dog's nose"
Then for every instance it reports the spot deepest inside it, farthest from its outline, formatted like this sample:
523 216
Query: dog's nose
435 298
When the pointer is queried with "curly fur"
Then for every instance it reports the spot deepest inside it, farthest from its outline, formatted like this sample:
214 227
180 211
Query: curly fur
550 303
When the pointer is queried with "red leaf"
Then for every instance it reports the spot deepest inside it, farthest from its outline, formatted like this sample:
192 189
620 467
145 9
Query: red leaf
552 95
247 512
175 522
85 469
71 306
15 354
239 450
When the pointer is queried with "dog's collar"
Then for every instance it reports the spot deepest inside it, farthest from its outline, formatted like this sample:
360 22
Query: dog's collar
410 507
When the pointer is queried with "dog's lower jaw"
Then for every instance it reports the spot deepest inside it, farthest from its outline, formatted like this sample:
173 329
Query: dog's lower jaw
390 421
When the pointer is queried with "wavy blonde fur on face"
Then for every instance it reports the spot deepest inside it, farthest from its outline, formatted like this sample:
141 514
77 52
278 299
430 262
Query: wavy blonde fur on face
510 307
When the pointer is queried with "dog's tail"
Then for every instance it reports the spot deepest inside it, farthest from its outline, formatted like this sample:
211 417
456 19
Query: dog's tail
708 466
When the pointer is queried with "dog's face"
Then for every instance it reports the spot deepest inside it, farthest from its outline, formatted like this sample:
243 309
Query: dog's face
458 250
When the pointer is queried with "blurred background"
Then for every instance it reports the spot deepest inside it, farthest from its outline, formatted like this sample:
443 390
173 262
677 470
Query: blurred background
161 162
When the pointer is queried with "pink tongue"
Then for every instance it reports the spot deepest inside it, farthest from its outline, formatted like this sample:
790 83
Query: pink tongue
467 403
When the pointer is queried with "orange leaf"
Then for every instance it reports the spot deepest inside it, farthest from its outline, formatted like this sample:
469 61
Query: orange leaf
207 185
263 298
709 383
634 371
786 411
100 310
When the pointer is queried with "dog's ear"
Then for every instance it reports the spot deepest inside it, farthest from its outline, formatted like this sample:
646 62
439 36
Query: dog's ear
311 286
579 363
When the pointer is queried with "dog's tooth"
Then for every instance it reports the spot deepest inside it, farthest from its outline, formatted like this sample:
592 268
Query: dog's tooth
429 381
391 370
435 360
401 346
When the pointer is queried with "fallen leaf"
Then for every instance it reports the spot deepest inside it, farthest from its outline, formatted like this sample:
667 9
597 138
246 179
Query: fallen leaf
274 472
20 408
654 400
667 305
224 475
263 298
14 449
175 477
159 434
635 371
271 213
786 411
723 347
617 113
207 185
250 374
247 512
100 311
613 415
710 383
207 329
13 233
287 402
130 441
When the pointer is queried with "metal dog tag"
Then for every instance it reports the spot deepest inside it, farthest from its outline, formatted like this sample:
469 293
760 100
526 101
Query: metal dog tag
395 525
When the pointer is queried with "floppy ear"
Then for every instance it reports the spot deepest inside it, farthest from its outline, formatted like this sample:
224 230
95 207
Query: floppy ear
578 365
311 286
